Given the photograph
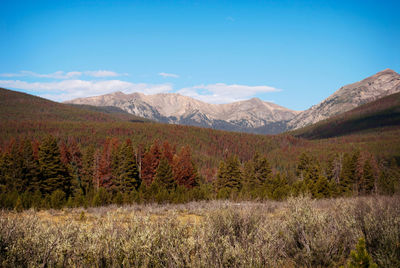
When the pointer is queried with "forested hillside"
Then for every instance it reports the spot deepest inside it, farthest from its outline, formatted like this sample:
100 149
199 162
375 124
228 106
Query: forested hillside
384 112
53 153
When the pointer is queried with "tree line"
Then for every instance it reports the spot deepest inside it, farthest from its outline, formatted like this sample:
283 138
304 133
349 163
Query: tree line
53 174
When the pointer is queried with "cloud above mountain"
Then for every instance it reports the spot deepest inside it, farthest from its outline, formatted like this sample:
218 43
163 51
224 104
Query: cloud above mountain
223 93
70 89
69 85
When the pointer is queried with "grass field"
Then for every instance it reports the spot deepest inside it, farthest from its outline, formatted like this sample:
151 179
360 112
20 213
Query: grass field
296 233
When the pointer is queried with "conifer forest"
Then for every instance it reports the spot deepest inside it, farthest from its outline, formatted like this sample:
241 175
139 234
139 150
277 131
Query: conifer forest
180 134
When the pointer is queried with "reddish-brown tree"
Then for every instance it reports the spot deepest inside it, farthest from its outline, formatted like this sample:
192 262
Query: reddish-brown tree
184 169
168 151
150 162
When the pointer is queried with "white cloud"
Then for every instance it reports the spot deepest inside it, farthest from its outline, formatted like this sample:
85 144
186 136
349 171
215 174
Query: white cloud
102 73
64 75
71 89
223 93
165 75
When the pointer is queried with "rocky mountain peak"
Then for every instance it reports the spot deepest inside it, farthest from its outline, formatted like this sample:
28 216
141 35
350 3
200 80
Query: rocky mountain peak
348 97
248 115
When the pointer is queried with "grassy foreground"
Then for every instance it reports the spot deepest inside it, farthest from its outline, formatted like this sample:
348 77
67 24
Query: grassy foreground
297 232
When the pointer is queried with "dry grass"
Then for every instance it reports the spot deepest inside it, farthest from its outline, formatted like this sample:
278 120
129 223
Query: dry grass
298 232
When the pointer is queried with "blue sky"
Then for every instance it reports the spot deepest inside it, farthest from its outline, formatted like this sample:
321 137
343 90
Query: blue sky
294 53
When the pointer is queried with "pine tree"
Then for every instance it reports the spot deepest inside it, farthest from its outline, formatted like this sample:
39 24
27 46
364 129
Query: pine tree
230 175
348 174
164 176
103 160
221 176
168 152
150 162
262 170
279 187
183 168
88 163
71 157
88 171
389 178
13 168
360 258
31 168
303 165
55 174
368 180
129 172
322 188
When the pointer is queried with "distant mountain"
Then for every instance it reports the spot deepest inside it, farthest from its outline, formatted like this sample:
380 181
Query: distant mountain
373 116
252 115
382 84
20 106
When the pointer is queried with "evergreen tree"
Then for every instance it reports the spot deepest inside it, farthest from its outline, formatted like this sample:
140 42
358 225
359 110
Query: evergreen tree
129 172
348 174
31 168
389 178
88 172
168 152
221 176
150 162
71 157
164 176
104 172
279 187
183 168
55 174
322 188
229 174
360 258
247 176
262 170
13 169
3 172
303 165
368 179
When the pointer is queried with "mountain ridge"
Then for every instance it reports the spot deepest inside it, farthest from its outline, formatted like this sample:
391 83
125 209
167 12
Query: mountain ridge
253 115
348 97
248 115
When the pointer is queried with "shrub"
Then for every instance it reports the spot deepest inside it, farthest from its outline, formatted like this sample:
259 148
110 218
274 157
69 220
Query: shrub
57 199
360 258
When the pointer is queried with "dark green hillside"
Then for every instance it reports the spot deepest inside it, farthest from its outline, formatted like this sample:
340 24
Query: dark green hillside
371 117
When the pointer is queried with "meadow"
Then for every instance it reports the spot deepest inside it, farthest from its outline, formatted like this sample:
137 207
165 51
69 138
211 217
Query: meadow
298 232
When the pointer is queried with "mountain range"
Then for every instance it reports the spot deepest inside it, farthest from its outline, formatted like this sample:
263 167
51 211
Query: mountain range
254 115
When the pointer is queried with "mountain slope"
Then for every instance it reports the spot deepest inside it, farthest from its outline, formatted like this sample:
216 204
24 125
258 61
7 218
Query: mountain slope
348 97
384 112
252 115
21 106
26 116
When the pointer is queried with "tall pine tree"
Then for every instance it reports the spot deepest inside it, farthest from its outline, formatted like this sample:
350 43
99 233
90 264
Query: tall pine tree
183 168
150 162
164 177
129 179
55 174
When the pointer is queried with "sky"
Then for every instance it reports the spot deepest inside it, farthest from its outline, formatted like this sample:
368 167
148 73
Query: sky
292 53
